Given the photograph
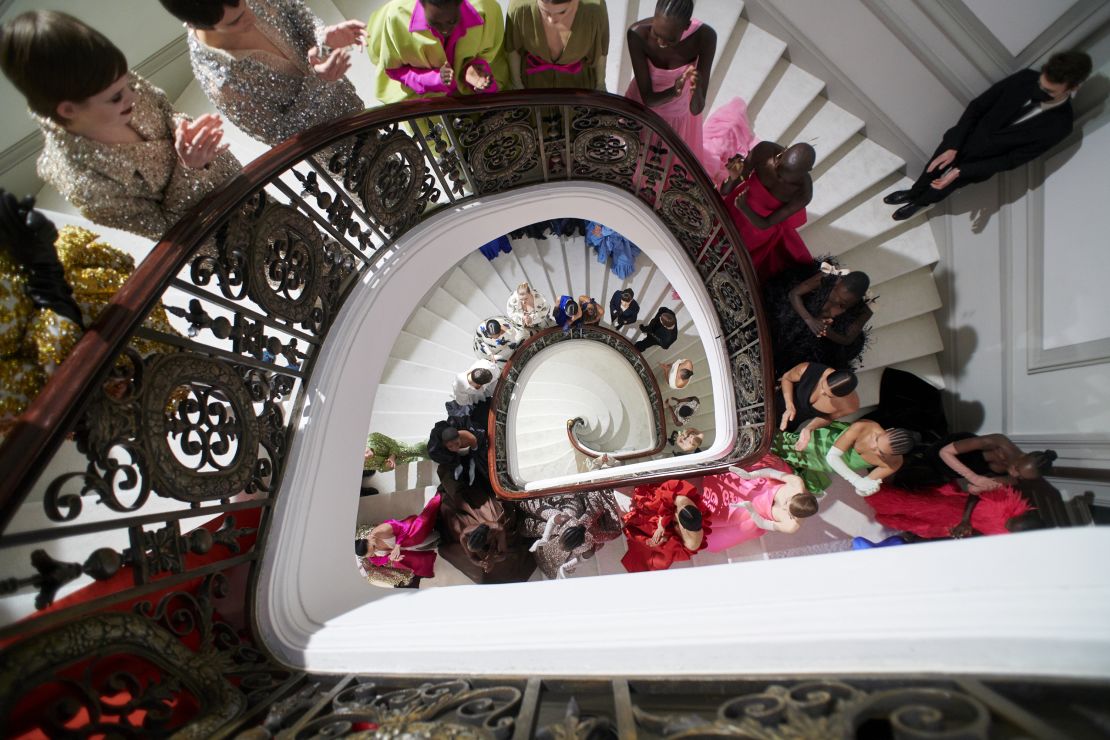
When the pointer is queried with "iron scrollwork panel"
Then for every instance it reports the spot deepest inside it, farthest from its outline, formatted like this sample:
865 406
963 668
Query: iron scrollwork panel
501 148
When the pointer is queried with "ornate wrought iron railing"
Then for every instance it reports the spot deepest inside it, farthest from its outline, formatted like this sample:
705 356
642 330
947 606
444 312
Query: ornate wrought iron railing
174 430
499 415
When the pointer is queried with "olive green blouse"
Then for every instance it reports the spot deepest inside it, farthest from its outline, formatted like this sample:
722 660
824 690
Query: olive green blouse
588 43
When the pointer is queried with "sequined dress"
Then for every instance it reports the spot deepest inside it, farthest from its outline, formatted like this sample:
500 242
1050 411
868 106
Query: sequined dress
141 187
548 517
273 97
33 341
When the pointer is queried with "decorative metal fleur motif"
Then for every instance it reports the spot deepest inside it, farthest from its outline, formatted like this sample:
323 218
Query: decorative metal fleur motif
830 710
576 727
451 709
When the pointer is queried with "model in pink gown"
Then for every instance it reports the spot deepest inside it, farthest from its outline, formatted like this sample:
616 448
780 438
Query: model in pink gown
777 248
725 134
732 525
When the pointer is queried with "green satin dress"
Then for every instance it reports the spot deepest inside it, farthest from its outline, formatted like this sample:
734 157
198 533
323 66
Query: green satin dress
810 463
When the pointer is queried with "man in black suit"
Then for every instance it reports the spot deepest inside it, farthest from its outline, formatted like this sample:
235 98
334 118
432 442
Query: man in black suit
662 331
1013 122
623 308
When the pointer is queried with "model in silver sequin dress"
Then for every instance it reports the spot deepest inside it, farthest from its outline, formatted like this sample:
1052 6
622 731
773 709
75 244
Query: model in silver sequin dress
269 97
548 517
141 187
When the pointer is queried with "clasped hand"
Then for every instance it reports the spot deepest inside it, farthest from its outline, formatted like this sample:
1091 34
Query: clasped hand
199 142
337 63
941 161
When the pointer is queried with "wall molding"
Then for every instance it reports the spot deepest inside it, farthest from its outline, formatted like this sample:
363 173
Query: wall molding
31 144
1079 448
905 33
974 40
1065 31
1040 359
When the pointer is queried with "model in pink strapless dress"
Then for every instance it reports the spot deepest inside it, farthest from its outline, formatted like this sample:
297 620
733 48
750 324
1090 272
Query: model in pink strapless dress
777 248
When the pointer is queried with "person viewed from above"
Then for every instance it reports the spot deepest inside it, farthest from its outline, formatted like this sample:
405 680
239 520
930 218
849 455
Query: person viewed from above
475 384
1015 121
818 312
114 146
592 312
270 66
623 308
496 339
672 61
528 311
436 47
682 409
678 373
745 505
947 511
811 395
667 523
557 43
992 461
567 313
569 528
458 446
863 453
686 441
766 195
486 528
609 243
405 544
662 331
385 453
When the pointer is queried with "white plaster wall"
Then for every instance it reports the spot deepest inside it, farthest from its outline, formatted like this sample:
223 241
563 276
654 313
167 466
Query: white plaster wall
1051 218
1017 22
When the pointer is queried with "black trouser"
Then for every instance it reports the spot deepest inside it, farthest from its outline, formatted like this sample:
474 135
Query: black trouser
648 341
922 193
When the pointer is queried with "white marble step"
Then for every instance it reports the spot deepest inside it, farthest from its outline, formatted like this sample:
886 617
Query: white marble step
908 295
901 341
869 220
795 89
459 285
754 53
886 259
830 128
429 352
862 167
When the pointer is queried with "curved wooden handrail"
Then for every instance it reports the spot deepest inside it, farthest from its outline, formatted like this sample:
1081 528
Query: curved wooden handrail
39 431
572 437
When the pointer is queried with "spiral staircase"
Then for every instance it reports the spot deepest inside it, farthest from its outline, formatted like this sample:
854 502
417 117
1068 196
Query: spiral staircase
846 219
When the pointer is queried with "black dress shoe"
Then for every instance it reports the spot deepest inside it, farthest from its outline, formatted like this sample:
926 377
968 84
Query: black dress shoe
897 197
906 211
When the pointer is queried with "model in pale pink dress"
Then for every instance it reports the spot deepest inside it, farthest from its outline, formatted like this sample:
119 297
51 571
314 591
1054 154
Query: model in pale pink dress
726 133
743 506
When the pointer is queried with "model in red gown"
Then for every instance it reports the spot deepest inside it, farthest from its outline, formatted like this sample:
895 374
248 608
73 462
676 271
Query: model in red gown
774 249
652 505
934 514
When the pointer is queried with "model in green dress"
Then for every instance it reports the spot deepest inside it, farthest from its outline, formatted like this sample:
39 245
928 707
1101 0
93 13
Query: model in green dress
810 463
385 453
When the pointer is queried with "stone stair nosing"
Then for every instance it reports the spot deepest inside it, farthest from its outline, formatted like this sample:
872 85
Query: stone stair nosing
828 129
868 220
751 53
903 341
416 348
912 294
861 168
887 259
792 94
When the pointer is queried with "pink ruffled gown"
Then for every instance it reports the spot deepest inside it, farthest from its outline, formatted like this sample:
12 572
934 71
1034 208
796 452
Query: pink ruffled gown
727 131
733 525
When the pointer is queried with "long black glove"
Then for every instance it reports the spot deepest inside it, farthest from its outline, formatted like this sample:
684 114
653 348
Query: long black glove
30 237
